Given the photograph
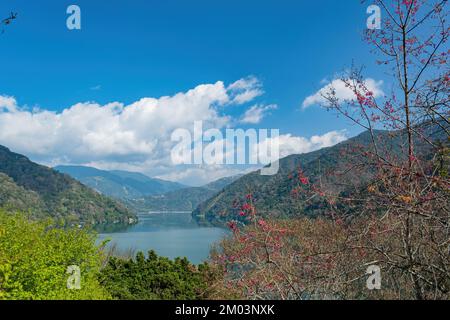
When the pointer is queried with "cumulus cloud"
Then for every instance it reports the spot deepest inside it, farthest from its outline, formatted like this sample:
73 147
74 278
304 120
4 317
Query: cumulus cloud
137 136
7 103
245 90
256 113
342 92
199 176
289 144
89 131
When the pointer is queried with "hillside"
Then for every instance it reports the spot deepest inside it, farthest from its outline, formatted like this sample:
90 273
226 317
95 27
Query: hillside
186 199
44 192
119 184
273 194
15 197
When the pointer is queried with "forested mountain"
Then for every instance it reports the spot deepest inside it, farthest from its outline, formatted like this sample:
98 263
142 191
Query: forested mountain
273 195
44 192
186 199
119 184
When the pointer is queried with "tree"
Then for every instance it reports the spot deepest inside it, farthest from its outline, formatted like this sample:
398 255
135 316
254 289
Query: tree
7 21
399 219
35 255
153 278
408 189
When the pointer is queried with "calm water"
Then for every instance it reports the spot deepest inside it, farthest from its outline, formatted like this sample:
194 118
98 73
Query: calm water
168 234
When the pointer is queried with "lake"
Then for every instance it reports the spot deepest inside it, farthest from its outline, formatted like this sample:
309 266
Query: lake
172 234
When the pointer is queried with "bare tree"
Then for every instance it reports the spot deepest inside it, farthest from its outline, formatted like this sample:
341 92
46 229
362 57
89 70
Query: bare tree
7 21
402 220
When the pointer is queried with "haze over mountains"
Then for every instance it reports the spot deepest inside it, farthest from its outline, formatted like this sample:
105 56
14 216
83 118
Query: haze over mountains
186 199
45 192
119 184
142 193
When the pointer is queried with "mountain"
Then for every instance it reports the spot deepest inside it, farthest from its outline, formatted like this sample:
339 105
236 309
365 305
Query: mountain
44 192
186 199
119 184
273 194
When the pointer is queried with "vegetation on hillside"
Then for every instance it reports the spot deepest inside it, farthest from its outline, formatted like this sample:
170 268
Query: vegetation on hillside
35 255
377 202
45 192
121 185
142 194
326 258
186 199
392 217
275 196
15 197
153 278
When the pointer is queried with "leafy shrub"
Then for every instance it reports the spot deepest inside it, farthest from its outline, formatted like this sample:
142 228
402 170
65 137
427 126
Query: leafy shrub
153 278
35 255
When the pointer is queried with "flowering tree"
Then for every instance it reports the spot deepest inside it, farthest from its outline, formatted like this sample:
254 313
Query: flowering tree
410 188
398 216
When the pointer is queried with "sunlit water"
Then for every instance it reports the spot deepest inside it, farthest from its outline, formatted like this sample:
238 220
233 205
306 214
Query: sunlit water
168 234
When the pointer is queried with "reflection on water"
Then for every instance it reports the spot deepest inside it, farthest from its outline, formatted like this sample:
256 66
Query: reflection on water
169 234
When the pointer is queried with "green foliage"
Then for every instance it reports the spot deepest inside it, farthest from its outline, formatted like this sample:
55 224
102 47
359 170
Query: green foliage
186 199
27 186
273 194
119 184
153 278
34 257
180 200
18 198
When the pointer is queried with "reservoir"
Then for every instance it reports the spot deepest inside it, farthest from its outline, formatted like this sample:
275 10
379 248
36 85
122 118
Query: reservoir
169 234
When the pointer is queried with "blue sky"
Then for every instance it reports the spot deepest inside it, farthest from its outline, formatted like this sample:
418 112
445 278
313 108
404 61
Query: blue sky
128 50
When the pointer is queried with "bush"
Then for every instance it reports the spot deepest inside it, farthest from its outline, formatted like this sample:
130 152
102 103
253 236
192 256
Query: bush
153 278
35 255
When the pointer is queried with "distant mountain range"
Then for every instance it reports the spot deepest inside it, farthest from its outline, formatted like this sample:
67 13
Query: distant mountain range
122 185
141 193
186 199
44 192
273 194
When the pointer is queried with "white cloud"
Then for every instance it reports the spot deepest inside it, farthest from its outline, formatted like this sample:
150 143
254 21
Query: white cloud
256 113
289 144
199 176
342 92
89 131
245 90
137 137
7 103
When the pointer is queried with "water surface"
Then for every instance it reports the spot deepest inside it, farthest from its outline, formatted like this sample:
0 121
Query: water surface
173 234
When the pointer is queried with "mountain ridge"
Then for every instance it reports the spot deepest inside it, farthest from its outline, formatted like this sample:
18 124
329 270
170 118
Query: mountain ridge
119 184
44 192
273 194
186 199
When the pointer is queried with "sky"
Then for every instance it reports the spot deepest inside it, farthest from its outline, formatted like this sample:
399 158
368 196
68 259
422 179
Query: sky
110 95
